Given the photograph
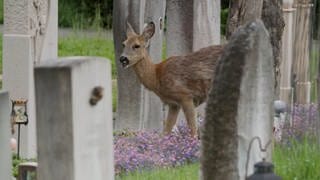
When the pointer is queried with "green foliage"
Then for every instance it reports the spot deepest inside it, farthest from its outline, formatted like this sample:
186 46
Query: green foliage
85 14
188 172
15 163
1 11
224 18
225 4
114 95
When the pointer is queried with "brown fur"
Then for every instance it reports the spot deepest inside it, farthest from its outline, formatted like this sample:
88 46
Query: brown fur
179 81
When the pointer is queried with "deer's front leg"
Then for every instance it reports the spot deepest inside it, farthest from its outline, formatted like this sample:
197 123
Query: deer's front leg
171 118
190 114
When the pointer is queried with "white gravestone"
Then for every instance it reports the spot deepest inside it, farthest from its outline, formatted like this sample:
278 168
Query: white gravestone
5 152
74 137
24 38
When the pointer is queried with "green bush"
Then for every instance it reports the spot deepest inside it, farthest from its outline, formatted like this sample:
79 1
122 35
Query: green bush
15 163
1 11
224 18
85 14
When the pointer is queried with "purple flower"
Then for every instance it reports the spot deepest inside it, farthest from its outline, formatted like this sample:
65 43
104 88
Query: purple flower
149 149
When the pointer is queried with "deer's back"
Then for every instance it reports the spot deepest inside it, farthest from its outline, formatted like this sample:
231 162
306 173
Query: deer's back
188 76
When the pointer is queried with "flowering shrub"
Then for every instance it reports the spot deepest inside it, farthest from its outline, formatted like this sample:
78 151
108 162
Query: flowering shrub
149 149
304 120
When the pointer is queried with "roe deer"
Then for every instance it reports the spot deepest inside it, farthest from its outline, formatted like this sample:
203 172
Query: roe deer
179 81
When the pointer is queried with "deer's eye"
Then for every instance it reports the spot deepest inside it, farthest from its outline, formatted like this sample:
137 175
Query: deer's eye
123 45
136 46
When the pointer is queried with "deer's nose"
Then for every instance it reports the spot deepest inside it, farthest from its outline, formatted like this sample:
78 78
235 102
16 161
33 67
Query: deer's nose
124 61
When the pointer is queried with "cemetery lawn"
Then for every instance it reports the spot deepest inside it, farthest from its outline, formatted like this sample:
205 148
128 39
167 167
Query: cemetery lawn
187 172
300 160
87 46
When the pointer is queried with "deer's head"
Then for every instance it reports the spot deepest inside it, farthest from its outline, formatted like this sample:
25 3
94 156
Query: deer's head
135 45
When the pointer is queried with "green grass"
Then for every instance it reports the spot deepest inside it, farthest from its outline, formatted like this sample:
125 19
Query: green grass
87 46
299 161
188 172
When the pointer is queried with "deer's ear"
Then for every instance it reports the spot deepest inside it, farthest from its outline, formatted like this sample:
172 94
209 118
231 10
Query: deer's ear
130 31
148 31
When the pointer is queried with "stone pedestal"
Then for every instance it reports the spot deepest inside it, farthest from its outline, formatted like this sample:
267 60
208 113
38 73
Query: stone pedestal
287 53
74 135
5 152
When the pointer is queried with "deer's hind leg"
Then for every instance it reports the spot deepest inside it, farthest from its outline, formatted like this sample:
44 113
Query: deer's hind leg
190 114
171 118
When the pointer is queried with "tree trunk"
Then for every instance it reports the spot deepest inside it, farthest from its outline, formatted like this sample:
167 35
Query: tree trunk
130 93
240 109
270 11
206 23
179 35
153 111
242 12
272 17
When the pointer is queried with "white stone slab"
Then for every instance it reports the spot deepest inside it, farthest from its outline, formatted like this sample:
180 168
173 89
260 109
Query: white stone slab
50 44
18 80
74 138
5 152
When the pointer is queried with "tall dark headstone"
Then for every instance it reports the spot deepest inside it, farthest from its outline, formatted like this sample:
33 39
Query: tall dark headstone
240 105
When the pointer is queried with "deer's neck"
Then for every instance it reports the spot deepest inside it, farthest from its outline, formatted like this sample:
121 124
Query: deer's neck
146 72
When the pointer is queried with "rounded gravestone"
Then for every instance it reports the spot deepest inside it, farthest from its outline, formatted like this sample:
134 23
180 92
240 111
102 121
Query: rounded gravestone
239 106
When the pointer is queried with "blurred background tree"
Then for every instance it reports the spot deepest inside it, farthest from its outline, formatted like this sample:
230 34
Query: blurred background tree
85 14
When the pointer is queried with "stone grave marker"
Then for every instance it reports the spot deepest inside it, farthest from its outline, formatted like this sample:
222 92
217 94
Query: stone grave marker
74 127
25 36
5 152
153 111
240 105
